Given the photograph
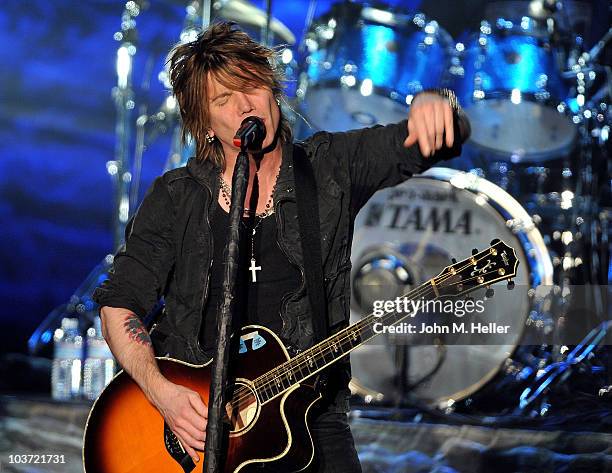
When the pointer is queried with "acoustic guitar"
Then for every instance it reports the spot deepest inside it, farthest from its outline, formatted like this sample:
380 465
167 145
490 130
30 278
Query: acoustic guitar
270 397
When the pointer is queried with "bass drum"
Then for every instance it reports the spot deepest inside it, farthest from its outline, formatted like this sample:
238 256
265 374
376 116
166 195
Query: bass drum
365 64
406 235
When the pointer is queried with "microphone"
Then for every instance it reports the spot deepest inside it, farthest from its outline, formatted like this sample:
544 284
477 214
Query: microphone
251 133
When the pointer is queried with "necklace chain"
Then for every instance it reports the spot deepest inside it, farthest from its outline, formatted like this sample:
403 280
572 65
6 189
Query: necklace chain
226 192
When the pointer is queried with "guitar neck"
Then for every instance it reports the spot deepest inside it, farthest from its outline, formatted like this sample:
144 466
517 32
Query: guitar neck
320 356
496 263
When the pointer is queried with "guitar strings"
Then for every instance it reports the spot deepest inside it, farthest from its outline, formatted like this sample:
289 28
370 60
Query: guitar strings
269 379
365 321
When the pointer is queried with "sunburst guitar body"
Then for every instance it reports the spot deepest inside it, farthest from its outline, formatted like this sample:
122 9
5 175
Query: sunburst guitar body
126 434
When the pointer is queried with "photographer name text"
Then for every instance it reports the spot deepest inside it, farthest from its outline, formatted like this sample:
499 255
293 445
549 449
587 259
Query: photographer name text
433 328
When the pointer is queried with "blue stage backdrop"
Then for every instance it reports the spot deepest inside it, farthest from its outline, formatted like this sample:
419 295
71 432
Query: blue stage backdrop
57 133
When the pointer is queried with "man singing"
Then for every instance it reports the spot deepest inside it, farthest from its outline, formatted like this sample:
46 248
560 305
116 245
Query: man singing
175 241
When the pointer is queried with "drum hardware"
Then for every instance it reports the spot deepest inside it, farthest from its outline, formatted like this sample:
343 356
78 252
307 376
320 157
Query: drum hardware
593 122
596 50
120 169
250 18
555 374
123 94
80 305
368 395
556 199
384 274
267 36
254 21
559 192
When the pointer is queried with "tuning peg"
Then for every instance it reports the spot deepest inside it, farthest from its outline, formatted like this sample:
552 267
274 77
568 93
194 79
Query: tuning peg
495 240
474 251
489 293
510 284
453 260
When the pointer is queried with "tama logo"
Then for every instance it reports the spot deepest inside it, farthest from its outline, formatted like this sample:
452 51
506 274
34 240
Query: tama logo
409 217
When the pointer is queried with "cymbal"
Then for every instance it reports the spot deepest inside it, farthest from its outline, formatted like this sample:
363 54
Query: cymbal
244 12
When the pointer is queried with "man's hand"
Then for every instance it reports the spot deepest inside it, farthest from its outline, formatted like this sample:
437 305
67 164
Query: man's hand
185 413
429 119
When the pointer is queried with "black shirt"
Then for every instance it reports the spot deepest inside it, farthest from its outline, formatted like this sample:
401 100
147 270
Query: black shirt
257 302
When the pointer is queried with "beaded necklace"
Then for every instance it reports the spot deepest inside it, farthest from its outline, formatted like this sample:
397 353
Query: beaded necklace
226 192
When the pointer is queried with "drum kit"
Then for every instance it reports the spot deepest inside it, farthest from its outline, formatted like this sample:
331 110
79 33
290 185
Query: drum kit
534 173
528 175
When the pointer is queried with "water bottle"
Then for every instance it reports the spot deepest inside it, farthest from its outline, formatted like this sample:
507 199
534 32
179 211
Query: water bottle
99 366
68 353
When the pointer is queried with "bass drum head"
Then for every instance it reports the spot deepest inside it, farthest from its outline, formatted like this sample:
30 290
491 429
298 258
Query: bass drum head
406 235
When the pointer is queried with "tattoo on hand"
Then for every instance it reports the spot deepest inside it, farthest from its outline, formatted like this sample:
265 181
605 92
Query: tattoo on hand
136 330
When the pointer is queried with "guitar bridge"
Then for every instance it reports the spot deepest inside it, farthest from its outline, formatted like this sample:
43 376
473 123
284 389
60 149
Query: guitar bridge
176 450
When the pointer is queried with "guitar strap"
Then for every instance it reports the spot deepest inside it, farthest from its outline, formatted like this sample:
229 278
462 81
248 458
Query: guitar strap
310 235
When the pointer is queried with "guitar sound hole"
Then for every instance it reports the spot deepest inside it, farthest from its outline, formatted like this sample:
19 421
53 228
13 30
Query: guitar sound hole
243 408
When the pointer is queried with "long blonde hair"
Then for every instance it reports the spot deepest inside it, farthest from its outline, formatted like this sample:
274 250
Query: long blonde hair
234 60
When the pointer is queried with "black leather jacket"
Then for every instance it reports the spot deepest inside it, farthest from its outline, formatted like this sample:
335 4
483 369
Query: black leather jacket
168 249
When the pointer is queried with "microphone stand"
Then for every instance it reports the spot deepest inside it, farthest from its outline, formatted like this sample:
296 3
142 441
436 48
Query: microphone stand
215 431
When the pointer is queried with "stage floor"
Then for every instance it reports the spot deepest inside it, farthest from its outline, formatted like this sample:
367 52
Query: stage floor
41 426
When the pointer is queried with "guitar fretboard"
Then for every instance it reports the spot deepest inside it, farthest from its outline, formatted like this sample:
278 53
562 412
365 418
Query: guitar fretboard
494 264
318 357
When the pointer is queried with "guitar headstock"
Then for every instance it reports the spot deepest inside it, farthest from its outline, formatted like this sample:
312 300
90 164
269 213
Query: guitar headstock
497 263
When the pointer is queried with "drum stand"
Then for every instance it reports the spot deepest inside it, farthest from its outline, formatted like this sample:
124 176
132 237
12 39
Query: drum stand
123 94
119 169
590 234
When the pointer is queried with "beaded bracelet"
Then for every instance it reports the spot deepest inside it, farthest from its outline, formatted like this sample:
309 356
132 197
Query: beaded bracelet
449 95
